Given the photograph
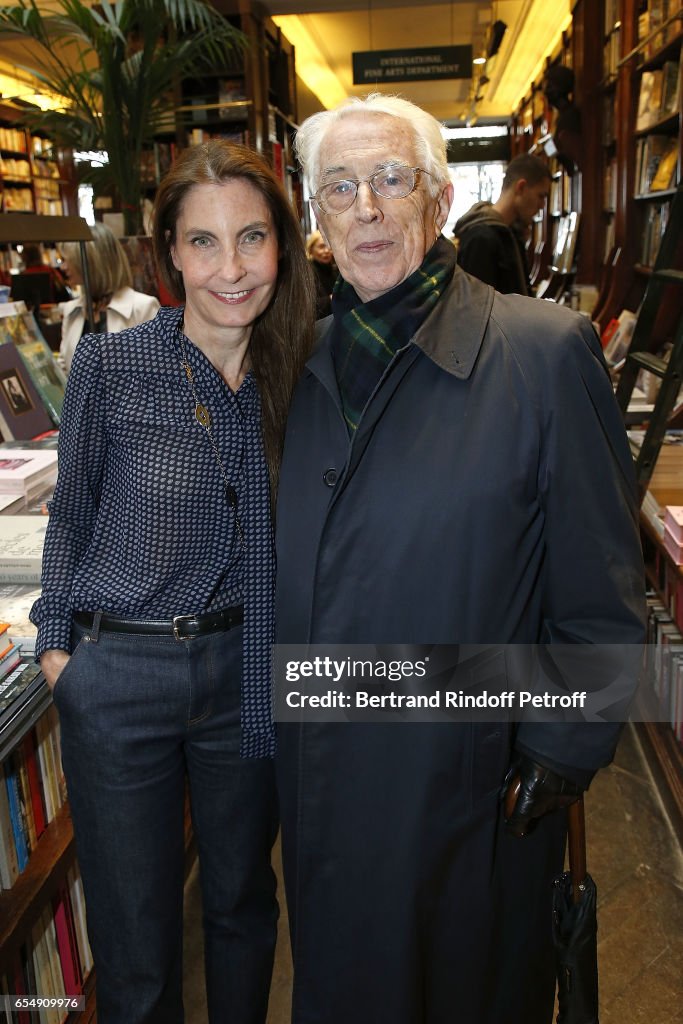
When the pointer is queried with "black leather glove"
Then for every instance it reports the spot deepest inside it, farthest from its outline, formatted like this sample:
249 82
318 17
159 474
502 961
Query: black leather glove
540 790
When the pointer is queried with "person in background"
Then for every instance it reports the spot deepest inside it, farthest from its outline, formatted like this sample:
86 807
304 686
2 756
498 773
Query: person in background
455 472
155 622
116 305
491 237
33 264
322 261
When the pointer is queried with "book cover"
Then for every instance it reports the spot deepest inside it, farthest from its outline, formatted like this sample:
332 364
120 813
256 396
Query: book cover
9 865
47 376
21 547
649 99
671 87
26 470
20 404
665 175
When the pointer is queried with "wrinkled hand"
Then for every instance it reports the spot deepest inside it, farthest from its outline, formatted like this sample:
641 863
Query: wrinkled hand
51 664
540 791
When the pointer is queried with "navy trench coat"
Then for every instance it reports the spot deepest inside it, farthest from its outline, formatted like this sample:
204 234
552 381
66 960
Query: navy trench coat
487 497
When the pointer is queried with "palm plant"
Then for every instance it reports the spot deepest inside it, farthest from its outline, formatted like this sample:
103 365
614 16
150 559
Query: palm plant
116 65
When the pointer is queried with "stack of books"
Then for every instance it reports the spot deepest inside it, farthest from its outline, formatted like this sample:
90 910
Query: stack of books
26 473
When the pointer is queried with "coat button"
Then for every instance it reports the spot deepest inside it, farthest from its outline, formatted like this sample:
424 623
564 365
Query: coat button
330 476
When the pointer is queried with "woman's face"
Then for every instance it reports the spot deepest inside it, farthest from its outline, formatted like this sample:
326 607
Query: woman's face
321 251
226 250
70 271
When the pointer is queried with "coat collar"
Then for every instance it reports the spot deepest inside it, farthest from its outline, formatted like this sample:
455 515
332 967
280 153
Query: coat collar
451 336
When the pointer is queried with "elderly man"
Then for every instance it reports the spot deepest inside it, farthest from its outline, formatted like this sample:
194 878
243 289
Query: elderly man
455 472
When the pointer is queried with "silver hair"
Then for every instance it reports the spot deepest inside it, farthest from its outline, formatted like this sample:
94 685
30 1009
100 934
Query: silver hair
429 142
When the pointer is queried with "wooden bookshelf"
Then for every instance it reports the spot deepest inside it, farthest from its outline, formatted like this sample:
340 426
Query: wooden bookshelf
35 175
664 752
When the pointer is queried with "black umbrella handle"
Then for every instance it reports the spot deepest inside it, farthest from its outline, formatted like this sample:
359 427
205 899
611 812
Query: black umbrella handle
577 848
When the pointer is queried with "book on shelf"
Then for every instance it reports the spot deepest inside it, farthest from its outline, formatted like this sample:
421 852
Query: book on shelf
649 99
35 786
665 175
21 548
27 471
66 942
671 88
22 412
9 864
654 226
650 152
16 811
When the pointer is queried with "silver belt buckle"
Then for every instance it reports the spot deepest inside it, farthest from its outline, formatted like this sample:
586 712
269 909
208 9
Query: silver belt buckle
177 619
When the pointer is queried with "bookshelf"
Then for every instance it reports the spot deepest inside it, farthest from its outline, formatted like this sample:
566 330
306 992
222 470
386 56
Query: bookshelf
665 578
642 133
35 175
251 101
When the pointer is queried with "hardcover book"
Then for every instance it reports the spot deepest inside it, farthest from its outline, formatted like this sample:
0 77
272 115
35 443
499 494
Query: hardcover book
21 547
22 412
26 471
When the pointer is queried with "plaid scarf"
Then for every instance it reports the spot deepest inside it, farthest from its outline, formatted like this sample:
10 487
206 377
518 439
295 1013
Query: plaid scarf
366 336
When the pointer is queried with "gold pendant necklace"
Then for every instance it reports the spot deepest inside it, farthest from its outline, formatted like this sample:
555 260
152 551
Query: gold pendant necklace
203 418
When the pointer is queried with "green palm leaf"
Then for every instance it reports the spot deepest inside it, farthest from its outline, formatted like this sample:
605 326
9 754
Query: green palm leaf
116 66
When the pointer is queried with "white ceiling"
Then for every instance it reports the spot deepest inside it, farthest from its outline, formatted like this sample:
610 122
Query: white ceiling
339 27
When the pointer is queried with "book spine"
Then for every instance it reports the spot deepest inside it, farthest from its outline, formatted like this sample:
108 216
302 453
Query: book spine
36 790
9 866
15 814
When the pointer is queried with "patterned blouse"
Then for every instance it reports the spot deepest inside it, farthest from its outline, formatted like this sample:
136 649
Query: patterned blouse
140 525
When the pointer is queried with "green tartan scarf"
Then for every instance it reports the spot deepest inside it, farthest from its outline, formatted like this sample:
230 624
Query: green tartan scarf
366 336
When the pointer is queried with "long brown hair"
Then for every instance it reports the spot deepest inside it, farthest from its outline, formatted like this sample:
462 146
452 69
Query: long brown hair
282 335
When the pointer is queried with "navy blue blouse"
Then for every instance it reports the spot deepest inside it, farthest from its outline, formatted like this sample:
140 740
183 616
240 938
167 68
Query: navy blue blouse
139 524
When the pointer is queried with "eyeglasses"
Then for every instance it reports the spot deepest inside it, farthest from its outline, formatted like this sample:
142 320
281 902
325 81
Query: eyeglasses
394 182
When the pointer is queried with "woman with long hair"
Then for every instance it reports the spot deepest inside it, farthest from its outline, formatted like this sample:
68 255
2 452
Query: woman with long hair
156 618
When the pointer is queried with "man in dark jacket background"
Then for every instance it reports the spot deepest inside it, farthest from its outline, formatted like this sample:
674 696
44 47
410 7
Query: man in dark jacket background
455 472
491 237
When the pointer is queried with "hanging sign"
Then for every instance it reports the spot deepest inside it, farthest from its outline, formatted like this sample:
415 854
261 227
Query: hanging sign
373 67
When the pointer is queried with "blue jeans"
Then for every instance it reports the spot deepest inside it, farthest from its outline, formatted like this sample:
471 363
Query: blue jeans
137 715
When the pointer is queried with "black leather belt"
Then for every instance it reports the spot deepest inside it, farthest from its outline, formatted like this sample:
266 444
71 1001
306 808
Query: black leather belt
182 627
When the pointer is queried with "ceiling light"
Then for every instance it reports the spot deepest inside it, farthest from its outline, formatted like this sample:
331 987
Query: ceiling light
479 60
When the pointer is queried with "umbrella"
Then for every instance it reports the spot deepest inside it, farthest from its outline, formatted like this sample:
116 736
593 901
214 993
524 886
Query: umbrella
575 924
575 928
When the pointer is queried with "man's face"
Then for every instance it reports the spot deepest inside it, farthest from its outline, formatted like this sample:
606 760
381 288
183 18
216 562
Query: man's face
377 242
529 199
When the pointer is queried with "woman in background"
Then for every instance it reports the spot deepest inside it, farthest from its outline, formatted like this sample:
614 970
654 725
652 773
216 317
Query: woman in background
155 622
115 303
325 270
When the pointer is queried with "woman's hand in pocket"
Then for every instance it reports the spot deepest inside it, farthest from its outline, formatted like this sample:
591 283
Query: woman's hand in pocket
52 664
